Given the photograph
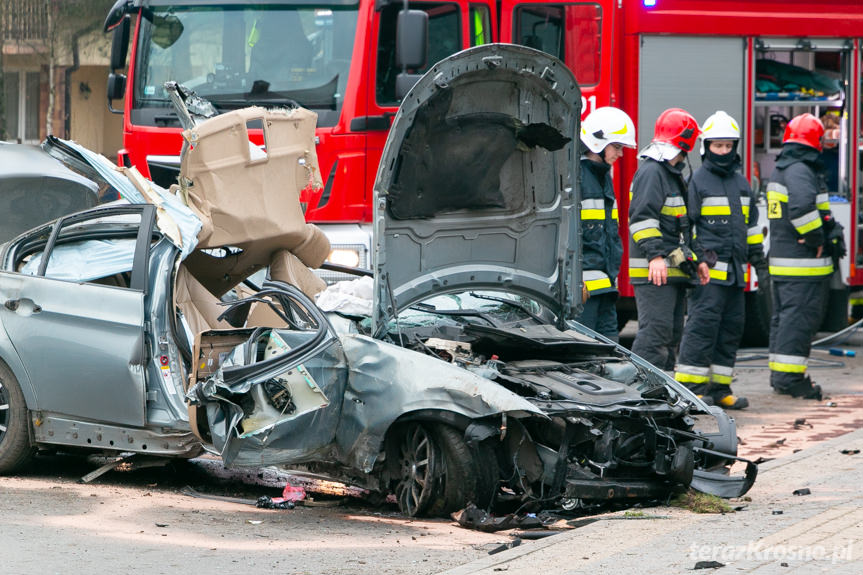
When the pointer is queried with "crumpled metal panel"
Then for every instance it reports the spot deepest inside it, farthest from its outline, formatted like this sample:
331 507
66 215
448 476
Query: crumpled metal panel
386 382
300 439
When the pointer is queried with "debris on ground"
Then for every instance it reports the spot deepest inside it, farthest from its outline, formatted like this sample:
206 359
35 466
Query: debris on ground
778 512
804 491
800 422
473 517
701 503
850 451
708 565
291 495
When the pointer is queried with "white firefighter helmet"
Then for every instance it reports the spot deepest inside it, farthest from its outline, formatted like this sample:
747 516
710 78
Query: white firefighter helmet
606 126
719 126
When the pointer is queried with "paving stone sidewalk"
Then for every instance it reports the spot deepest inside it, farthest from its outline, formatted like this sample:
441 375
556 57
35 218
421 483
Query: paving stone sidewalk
777 532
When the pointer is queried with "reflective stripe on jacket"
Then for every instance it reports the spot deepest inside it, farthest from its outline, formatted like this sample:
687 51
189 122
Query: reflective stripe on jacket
658 222
601 246
796 207
721 206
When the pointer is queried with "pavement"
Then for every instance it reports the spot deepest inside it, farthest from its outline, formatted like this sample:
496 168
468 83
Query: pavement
774 532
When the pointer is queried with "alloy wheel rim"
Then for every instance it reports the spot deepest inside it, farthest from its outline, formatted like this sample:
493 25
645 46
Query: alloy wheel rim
417 462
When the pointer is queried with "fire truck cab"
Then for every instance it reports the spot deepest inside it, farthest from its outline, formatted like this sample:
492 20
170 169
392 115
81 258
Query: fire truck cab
350 61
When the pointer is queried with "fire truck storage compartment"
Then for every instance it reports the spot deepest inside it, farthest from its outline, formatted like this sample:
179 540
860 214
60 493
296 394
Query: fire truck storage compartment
796 76
699 74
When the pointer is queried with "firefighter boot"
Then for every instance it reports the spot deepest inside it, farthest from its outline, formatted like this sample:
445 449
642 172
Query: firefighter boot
701 390
724 398
807 390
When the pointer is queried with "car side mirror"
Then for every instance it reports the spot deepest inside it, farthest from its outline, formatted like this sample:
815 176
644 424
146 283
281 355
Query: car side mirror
412 39
116 90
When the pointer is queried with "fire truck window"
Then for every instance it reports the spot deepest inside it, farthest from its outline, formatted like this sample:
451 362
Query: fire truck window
571 32
480 25
444 40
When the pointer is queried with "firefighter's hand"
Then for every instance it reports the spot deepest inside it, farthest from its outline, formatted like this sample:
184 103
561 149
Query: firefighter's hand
818 252
657 273
703 273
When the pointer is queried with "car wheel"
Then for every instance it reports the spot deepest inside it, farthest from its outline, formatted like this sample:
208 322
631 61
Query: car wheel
419 468
15 447
470 475
438 473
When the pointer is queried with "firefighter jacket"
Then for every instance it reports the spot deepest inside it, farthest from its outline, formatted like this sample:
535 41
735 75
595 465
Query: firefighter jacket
658 223
724 214
796 207
601 246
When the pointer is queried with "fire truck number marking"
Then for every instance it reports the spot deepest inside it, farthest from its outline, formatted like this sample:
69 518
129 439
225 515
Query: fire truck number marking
588 105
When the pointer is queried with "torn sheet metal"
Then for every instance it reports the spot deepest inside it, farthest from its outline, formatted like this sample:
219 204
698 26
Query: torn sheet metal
175 215
387 382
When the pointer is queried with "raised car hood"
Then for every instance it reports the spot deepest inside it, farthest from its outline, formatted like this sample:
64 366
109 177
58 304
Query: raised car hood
477 185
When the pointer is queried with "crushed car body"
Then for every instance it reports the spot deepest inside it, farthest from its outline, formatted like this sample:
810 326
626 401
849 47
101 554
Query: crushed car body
466 380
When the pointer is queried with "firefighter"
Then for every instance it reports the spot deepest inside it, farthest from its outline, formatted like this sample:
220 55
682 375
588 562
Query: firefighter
724 214
661 262
798 211
605 132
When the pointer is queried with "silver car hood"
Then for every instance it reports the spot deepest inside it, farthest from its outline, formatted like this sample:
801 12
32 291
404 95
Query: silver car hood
477 185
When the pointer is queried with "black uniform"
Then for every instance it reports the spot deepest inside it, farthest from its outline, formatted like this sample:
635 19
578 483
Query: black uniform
601 246
724 214
658 224
797 208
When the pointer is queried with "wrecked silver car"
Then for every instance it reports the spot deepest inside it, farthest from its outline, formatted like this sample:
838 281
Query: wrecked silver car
454 376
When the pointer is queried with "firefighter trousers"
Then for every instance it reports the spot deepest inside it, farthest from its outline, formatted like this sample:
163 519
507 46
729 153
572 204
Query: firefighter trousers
798 310
660 322
600 315
711 336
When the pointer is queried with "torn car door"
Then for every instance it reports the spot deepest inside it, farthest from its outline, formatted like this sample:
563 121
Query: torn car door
274 395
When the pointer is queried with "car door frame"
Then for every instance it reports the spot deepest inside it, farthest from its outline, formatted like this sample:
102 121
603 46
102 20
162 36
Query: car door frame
76 396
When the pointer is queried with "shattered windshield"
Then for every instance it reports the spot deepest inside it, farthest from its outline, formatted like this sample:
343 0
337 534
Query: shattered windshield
237 56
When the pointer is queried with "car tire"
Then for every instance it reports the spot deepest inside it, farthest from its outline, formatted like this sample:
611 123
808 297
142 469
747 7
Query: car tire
418 473
470 475
15 447
438 472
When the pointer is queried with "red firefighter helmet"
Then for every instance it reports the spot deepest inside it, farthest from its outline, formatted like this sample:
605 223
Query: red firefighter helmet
678 128
804 129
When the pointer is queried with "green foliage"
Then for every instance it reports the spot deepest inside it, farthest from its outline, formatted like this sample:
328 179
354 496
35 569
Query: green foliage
701 503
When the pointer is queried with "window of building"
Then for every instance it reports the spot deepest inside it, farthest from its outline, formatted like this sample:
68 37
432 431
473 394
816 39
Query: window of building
21 110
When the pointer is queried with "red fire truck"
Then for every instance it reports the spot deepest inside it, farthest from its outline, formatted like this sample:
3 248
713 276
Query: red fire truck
762 61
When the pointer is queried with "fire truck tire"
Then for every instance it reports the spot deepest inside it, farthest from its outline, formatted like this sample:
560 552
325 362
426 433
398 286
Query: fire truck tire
759 307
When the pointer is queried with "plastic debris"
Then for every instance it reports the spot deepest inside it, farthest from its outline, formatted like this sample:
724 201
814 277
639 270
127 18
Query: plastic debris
804 491
850 451
708 565
473 517
290 496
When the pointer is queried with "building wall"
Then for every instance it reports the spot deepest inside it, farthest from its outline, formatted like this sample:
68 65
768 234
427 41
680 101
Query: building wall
91 124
